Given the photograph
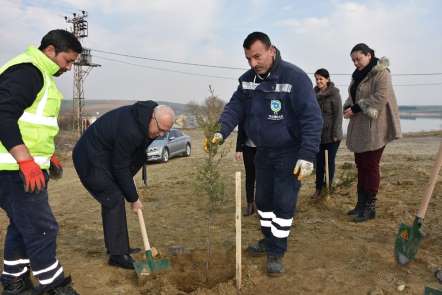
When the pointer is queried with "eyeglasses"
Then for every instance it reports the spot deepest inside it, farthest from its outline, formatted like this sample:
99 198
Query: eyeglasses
158 125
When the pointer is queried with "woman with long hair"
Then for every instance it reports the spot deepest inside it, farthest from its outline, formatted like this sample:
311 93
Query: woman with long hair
329 101
374 121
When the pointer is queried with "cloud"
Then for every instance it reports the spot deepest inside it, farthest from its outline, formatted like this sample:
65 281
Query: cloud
305 25
396 30
311 35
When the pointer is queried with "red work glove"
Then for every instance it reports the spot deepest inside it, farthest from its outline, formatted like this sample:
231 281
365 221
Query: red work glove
32 176
55 169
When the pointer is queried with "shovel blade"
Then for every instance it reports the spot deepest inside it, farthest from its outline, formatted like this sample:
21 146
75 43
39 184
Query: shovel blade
407 242
159 265
431 291
150 265
142 268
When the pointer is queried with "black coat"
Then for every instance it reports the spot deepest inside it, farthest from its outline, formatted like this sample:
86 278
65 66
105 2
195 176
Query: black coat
113 149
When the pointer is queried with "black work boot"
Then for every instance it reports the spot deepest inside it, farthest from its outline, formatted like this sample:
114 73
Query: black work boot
123 261
257 249
274 266
18 286
63 287
369 210
359 204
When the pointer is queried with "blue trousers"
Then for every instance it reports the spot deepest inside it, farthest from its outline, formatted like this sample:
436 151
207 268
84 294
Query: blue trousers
276 195
30 241
320 163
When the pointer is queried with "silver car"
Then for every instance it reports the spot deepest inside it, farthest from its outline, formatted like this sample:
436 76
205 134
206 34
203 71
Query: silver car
174 143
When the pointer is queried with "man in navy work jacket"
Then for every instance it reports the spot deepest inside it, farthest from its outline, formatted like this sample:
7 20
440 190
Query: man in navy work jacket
108 155
275 99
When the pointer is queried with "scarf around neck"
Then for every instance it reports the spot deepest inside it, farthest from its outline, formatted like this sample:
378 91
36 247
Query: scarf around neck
359 75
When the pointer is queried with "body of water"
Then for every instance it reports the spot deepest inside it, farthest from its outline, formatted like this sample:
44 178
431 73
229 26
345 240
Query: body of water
413 125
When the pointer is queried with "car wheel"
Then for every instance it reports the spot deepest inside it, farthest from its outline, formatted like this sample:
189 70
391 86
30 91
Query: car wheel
165 156
188 150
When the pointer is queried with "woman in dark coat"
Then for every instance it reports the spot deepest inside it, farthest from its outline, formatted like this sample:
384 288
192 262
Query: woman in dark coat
329 101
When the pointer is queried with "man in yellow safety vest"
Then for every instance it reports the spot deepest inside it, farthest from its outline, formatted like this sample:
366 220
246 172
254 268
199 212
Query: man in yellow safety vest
29 107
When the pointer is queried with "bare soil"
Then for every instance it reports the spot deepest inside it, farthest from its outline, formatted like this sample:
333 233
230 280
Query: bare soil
328 254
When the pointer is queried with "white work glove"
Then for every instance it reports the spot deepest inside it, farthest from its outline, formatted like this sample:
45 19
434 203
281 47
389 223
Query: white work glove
217 138
302 169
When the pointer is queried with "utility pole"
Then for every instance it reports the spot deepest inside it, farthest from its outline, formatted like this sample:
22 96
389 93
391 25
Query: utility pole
82 67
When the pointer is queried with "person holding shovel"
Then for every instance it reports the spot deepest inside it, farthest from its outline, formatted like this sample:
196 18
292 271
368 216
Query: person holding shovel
107 156
329 101
276 102
29 107
374 121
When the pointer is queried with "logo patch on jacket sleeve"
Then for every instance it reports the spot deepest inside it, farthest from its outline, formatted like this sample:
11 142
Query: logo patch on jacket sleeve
275 106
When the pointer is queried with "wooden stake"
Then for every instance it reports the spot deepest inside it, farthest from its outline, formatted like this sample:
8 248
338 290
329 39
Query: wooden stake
327 173
238 228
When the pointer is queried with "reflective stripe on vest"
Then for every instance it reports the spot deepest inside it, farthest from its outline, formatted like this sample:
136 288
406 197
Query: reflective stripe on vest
38 123
38 118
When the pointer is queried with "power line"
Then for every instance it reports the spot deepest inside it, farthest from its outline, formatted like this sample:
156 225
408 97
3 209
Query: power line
165 69
236 68
170 61
231 78
403 84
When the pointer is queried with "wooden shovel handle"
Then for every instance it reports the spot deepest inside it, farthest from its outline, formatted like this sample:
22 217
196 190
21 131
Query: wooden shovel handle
327 170
430 187
143 230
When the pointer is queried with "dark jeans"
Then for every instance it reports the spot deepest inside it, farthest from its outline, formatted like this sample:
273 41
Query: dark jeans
276 196
31 234
320 163
367 164
248 155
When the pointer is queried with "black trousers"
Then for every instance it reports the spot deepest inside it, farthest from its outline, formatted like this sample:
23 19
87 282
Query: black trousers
101 185
116 237
248 156
320 163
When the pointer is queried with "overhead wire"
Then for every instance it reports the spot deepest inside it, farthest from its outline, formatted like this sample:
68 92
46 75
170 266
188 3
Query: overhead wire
231 67
169 61
232 78
165 69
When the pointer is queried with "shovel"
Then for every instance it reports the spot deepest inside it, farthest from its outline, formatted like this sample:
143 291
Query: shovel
431 291
408 238
149 265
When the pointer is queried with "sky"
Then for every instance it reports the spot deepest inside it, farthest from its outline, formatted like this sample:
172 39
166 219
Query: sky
310 34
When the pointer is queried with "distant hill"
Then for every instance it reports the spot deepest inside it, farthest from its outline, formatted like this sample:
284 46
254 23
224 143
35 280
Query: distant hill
421 109
427 111
101 106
